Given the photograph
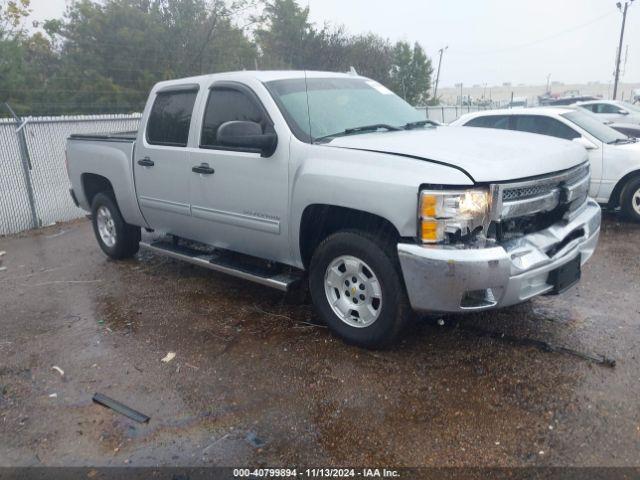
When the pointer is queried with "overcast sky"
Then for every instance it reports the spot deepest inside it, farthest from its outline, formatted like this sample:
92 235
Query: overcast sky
490 41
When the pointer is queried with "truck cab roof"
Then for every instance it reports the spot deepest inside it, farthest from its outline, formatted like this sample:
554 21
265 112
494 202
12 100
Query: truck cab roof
259 75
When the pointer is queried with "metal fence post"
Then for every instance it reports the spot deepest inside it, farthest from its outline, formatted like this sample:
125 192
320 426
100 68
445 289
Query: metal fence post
26 165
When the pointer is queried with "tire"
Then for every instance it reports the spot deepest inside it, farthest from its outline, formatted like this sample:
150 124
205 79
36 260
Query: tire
120 240
382 305
630 199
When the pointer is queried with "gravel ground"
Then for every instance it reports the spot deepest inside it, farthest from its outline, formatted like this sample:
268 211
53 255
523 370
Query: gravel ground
256 381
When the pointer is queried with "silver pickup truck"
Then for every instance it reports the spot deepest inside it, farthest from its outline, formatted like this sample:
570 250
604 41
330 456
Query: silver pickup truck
332 181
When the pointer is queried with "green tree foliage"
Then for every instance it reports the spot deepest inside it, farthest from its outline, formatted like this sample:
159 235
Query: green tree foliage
411 73
12 16
104 55
284 35
23 58
287 39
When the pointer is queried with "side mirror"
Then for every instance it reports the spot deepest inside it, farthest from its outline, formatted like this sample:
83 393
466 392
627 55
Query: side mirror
247 135
588 144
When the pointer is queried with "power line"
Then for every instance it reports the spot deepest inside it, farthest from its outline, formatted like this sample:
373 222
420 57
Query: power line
541 40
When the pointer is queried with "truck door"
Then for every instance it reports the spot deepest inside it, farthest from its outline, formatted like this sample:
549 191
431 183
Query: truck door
238 196
161 166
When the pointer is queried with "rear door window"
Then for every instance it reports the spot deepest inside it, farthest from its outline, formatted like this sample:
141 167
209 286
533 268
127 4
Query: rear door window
490 121
170 118
544 126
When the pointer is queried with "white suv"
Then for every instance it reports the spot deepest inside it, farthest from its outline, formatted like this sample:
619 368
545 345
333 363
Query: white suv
614 157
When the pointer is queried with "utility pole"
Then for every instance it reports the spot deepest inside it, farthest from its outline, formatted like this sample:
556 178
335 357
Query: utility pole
435 88
548 82
619 55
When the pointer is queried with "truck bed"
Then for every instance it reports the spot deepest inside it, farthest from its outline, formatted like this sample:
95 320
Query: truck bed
109 157
106 137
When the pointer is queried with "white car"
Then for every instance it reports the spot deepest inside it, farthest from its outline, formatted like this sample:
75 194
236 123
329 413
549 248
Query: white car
614 157
613 110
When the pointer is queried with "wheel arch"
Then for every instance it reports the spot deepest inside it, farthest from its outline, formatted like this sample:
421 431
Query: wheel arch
616 194
318 221
93 183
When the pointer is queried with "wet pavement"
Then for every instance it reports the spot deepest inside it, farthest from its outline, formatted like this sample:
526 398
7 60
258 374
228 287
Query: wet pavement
255 381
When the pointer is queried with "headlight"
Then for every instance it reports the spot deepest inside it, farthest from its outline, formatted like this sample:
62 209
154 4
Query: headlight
446 215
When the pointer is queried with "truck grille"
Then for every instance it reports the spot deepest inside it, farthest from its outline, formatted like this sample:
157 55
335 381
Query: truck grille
565 190
524 192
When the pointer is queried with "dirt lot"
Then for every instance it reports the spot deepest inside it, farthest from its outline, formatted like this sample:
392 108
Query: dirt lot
254 381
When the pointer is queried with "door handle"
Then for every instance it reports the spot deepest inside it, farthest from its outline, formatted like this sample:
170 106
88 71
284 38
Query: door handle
203 169
146 162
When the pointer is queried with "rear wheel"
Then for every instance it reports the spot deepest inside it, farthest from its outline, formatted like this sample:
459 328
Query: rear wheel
630 199
116 238
357 288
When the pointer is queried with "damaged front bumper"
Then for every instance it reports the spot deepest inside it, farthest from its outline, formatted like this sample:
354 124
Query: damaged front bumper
459 279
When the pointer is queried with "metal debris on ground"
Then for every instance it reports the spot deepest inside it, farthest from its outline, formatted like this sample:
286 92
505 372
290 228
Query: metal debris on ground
170 356
120 408
206 449
58 369
2 254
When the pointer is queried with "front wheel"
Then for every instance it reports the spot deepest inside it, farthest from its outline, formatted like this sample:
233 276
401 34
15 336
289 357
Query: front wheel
116 238
630 199
357 289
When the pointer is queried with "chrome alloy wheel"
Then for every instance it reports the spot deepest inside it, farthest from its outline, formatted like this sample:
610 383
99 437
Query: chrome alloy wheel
635 201
106 226
353 291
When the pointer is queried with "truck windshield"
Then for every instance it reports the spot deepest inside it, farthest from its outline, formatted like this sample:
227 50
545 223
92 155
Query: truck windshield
327 107
595 127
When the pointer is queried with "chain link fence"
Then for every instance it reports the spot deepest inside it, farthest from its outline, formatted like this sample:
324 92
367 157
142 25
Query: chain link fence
34 188
448 114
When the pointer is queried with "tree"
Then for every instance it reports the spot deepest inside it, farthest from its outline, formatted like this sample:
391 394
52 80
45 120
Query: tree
371 56
104 55
113 53
12 15
411 73
284 35
288 40
14 72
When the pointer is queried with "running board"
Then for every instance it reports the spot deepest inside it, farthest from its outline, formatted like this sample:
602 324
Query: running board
278 276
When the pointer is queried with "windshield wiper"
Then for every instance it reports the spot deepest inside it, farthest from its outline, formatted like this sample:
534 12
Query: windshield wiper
419 123
371 128
363 129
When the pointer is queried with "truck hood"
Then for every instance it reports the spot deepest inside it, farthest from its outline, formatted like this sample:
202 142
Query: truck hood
485 155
